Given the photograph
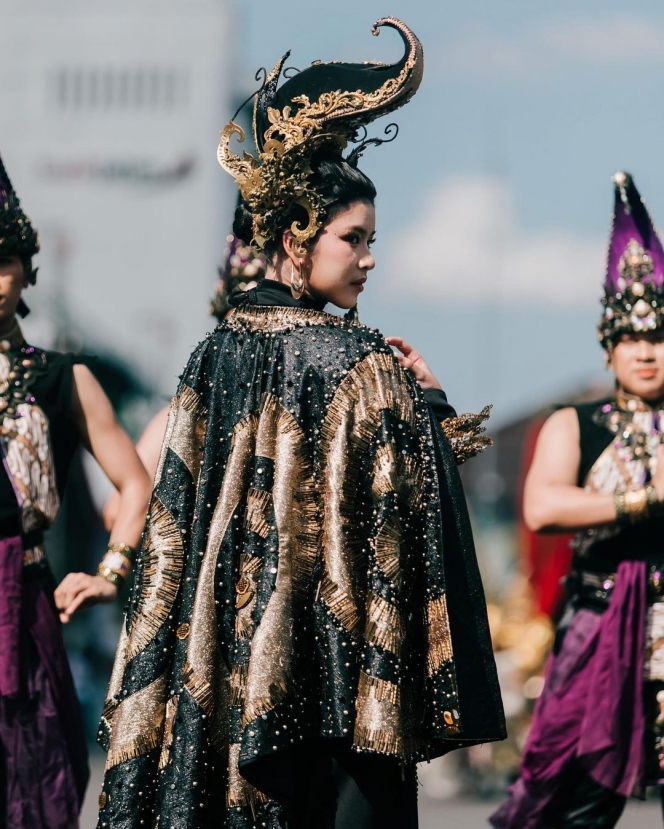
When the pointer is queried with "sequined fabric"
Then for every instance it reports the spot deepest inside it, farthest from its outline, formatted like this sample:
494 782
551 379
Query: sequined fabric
628 462
307 573
27 447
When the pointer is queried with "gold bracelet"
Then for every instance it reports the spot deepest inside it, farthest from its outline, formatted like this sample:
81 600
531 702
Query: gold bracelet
636 502
110 576
122 548
622 516
631 506
116 564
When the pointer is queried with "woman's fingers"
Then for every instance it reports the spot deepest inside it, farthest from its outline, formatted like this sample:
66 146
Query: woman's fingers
413 360
79 590
79 602
408 353
406 349
68 588
400 343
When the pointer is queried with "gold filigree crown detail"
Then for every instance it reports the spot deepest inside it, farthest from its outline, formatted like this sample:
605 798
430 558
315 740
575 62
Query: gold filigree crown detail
637 304
635 264
277 179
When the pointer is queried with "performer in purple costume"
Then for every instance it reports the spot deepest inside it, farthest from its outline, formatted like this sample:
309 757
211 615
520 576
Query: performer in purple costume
598 731
49 404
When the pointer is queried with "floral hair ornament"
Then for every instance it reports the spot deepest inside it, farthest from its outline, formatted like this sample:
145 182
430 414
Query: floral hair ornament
243 269
322 107
633 298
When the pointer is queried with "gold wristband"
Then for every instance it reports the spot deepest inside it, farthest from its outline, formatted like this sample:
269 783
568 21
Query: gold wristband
116 564
122 548
632 506
110 576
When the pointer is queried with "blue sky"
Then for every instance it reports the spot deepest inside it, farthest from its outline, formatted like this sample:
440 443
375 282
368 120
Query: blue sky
494 202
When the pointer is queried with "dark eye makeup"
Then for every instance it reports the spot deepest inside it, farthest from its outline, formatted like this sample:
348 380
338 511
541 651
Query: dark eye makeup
356 238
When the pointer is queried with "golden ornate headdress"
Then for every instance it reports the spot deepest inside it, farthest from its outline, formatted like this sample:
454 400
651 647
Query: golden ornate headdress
322 107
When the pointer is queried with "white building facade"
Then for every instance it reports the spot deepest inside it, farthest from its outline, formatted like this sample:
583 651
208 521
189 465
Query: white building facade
110 112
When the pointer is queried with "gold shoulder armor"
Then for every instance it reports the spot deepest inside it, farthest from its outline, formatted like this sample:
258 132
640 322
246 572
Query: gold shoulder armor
465 434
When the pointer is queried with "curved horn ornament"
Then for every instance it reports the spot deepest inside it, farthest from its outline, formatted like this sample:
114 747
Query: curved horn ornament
319 108
240 167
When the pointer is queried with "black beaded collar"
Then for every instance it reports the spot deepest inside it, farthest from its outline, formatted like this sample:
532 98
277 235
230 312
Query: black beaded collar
271 293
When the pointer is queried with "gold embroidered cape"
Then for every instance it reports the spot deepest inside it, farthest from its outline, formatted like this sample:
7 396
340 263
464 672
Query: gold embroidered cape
307 573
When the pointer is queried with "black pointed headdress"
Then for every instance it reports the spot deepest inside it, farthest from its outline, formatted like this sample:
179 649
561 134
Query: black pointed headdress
17 235
322 107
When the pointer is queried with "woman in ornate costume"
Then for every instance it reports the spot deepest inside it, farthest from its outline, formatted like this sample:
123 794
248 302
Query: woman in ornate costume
307 601
50 403
598 731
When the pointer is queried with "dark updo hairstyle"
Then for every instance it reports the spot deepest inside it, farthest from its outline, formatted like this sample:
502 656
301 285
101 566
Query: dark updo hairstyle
337 182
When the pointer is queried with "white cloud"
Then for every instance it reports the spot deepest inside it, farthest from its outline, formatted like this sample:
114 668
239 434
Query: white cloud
617 42
467 245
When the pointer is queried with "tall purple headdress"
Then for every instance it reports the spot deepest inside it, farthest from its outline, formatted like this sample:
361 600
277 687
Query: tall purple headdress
634 287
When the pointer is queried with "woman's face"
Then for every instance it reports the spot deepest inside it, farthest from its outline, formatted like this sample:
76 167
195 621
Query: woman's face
338 265
12 282
638 363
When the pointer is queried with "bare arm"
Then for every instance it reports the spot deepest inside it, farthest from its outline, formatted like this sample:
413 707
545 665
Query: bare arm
553 501
104 437
148 448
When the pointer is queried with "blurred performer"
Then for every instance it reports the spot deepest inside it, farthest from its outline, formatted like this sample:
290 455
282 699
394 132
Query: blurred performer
244 269
49 404
308 592
598 732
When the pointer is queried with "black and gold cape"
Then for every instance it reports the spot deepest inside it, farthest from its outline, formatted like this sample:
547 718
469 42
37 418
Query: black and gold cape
307 574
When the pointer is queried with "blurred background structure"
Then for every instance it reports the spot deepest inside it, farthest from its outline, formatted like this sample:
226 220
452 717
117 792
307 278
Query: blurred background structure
493 211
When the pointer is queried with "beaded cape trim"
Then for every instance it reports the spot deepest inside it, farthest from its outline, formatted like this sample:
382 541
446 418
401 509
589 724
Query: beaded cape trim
281 318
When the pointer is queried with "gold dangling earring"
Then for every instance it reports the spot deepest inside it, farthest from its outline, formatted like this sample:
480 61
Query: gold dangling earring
296 285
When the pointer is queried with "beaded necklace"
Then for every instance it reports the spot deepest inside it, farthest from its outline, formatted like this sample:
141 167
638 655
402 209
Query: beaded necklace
15 386
637 426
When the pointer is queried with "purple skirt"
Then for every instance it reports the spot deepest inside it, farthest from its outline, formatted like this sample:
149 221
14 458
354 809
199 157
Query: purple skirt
43 766
591 710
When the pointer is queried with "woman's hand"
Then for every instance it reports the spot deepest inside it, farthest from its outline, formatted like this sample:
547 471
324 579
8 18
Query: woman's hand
413 360
79 590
